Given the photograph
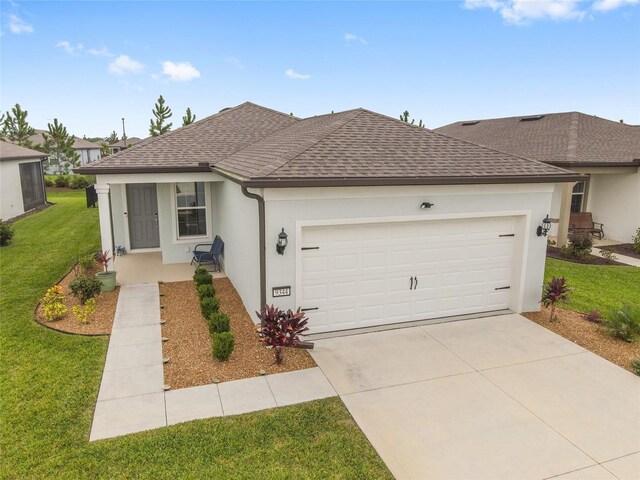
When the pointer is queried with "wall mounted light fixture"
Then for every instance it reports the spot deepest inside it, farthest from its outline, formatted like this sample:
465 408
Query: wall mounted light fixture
543 229
427 205
282 242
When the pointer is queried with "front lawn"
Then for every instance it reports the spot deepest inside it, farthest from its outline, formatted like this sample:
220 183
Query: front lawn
49 383
596 286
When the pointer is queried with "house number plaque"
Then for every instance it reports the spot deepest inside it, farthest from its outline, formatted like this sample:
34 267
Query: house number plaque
281 291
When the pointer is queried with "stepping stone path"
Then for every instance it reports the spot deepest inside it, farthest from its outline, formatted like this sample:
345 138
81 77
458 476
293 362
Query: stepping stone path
132 396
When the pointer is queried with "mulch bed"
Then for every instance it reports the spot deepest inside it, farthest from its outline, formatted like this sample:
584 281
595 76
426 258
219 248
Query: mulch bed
100 322
191 362
622 249
590 335
555 252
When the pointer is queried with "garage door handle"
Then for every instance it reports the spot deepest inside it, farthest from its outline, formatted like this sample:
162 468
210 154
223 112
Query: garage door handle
411 286
416 285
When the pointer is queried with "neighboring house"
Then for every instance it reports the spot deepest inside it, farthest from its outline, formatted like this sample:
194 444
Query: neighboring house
21 180
607 152
386 222
122 145
88 151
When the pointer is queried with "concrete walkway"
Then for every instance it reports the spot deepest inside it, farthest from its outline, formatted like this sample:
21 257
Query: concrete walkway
634 262
132 396
488 398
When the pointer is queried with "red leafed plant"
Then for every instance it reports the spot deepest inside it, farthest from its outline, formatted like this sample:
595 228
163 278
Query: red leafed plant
555 291
278 329
103 259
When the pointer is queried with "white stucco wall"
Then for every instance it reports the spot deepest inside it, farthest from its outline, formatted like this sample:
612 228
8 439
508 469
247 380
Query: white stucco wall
285 207
614 199
11 204
88 155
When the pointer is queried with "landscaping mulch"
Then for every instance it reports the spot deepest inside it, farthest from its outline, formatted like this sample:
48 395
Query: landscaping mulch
622 249
100 322
191 362
555 252
590 335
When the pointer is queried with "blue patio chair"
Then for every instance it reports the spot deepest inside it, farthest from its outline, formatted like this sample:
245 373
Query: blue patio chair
211 255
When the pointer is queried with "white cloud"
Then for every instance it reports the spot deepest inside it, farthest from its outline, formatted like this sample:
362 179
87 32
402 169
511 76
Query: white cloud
606 5
101 52
350 37
295 75
180 72
520 12
124 64
70 49
18 26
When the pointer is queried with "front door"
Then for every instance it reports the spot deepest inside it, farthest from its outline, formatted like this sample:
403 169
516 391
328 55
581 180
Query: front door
142 205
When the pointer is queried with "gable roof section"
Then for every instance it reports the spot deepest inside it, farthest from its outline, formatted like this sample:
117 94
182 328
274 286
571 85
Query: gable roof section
260 147
9 151
78 143
565 139
196 146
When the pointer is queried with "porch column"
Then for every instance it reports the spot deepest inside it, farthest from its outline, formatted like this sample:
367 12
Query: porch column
104 210
565 212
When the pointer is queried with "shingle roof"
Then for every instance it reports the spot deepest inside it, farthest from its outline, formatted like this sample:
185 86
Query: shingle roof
9 151
78 143
130 141
571 138
263 147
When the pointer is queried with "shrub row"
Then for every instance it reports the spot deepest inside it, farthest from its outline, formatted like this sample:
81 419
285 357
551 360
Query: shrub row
222 339
6 233
69 181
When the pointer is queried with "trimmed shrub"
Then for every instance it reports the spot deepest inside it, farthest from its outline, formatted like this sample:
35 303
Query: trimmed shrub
6 233
635 366
580 244
223 344
219 323
62 181
53 307
209 306
205 291
85 288
49 181
623 322
79 181
202 277
636 240
87 263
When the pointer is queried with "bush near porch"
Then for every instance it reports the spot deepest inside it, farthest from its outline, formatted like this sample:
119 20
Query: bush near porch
49 383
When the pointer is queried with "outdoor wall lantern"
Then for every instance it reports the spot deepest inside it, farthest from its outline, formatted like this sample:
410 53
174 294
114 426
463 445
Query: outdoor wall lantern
544 228
282 242
427 205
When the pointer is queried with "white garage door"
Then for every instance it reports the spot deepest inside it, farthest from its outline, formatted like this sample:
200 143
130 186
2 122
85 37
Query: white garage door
362 275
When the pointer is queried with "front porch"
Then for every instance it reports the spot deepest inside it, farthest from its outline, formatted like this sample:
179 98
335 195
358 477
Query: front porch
136 268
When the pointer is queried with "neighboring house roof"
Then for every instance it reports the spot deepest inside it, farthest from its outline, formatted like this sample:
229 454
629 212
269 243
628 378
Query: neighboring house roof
130 141
565 139
9 151
261 147
78 143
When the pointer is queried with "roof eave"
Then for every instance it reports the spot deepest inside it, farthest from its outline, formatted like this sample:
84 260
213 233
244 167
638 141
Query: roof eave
130 170
632 163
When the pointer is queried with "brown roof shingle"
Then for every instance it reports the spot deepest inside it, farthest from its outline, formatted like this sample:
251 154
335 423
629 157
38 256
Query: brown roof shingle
9 151
566 139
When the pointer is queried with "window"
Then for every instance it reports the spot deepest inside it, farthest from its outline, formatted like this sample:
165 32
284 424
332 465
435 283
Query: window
577 197
31 183
191 205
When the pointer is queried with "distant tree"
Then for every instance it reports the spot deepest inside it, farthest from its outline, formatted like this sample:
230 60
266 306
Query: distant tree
188 119
105 151
59 145
404 116
2 119
16 128
162 113
113 138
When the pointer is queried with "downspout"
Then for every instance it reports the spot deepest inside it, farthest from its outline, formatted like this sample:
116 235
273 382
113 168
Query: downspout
261 228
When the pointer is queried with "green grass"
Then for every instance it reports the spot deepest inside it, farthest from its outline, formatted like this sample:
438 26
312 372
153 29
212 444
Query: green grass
596 287
49 383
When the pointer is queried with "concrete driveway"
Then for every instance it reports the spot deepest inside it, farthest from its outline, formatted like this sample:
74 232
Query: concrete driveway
489 398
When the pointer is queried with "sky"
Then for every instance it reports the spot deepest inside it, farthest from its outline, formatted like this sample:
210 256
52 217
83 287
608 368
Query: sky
91 63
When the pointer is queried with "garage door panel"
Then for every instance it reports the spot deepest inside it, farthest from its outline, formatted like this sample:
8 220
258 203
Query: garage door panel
360 275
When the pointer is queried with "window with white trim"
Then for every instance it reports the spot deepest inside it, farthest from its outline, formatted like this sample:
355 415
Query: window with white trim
578 196
192 209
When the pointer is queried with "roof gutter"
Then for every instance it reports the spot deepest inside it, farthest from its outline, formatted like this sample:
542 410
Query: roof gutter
633 163
127 170
261 230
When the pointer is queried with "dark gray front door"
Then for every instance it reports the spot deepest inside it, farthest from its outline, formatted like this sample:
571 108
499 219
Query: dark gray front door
142 205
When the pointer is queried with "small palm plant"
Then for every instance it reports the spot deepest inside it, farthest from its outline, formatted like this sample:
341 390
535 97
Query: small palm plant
555 291
278 329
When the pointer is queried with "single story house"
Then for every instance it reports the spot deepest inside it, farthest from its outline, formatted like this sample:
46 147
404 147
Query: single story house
88 151
21 180
123 144
386 222
607 153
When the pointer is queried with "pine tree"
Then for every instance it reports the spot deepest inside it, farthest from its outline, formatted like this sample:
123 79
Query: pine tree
404 116
16 128
162 113
59 144
188 119
2 119
113 138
